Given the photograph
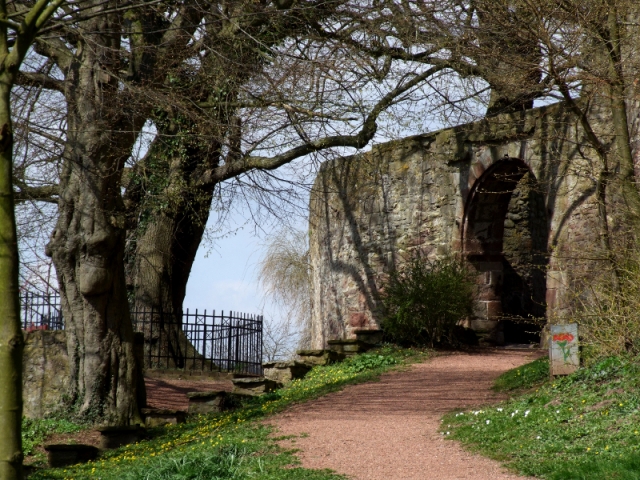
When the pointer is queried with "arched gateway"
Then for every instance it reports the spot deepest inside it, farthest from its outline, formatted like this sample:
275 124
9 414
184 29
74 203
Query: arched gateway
504 239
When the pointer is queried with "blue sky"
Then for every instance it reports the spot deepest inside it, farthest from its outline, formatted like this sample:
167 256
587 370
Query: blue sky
224 275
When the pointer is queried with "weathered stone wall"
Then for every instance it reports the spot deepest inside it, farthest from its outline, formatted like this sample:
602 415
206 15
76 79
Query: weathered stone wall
369 212
45 376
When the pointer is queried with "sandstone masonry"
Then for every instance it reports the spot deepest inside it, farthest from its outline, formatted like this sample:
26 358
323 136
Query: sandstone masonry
514 195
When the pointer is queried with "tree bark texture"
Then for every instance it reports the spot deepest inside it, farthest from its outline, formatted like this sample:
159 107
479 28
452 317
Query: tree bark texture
11 341
619 92
509 57
87 245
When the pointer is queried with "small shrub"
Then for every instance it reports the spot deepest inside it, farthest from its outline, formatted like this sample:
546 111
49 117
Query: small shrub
425 300
607 311
35 431
368 361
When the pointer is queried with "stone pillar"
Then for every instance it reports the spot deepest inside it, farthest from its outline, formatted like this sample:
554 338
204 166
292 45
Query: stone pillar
488 302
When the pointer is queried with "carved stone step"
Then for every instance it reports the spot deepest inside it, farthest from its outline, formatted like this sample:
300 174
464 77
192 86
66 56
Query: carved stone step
253 386
349 348
370 337
215 401
156 417
319 357
60 455
284 372
206 402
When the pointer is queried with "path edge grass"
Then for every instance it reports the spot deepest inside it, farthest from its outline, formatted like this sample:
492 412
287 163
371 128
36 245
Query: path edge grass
585 426
240 435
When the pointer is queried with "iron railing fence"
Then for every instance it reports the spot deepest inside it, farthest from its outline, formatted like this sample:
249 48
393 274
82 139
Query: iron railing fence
203 341
40 311
197 341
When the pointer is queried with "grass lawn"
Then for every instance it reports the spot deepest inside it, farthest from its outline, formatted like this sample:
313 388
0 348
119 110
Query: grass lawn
583 426
235 445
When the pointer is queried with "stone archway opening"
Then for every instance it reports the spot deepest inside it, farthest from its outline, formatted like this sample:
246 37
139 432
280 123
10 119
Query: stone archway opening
504 239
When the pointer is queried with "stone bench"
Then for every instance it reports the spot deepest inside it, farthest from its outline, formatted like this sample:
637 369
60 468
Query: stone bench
116 436
60 455
157 417
284 372
253 386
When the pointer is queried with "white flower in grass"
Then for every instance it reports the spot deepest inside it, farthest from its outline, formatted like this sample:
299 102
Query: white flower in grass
488 422
538 437
527 413
499 409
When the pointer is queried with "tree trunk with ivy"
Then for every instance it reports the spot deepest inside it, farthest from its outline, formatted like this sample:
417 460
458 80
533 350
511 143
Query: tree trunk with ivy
103 76
169 213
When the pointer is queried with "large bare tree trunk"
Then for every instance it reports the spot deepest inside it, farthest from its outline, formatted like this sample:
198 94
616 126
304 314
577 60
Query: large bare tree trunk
87 245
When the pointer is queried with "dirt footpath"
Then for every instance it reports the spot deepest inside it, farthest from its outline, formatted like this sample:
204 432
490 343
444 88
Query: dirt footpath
390 430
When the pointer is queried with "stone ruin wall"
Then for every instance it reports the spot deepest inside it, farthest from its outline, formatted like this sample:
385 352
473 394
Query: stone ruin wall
45 376
370 211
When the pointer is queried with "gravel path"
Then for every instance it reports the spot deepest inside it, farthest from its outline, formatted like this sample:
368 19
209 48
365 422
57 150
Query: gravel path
389 430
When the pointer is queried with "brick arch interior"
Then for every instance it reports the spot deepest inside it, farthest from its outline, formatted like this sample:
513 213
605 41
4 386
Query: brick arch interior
504 239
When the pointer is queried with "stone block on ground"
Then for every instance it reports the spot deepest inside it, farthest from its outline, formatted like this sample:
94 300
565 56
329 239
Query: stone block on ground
253 386
117 436
318 357
285 372
349 347
157 417
60 455
207 402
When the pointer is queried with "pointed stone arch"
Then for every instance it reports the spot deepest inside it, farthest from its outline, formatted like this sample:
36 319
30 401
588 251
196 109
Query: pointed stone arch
504 238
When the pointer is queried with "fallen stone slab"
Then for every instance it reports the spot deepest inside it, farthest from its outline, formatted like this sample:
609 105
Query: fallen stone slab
63 455
253 386
319 357
157 417
116 436
285 372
